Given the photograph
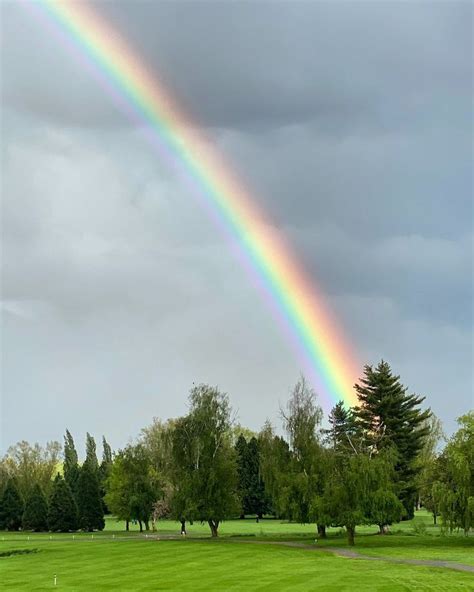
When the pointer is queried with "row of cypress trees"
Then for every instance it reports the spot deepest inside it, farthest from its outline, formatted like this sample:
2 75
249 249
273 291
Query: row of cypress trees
75 501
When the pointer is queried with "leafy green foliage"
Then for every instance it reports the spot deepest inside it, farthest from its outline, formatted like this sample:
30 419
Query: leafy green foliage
358 490
275 459
130 487
35 515
306 470
28 464
454 489
205 469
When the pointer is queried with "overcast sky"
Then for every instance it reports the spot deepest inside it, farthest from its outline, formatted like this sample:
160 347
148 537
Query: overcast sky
352 124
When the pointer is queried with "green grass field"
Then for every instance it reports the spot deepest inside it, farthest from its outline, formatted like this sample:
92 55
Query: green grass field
244 558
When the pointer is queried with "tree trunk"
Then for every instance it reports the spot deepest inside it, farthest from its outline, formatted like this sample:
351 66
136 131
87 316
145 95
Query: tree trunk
322 531
127 525
242 516
434 518
147 525
383 529
141 525
350 534
213 525
183 526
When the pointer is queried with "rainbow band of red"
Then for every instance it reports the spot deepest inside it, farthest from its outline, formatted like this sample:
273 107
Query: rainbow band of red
299 307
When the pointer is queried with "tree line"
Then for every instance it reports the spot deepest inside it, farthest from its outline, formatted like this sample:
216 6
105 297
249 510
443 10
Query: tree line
36 496
374 464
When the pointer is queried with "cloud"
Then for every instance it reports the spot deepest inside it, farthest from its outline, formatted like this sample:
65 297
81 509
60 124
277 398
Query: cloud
350 124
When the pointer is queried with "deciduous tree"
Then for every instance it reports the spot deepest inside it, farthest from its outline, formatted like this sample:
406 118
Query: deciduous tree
455 488
29 464
205 471
131 490
301 421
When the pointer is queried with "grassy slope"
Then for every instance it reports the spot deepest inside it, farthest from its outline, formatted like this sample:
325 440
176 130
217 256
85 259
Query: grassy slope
113 564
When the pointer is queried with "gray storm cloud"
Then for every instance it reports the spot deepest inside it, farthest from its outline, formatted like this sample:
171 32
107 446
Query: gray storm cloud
352 124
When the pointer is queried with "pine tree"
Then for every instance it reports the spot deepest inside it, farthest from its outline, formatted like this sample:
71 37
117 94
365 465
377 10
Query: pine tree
62 514
387 417
89 501
11 507
70 465
340 434
35 516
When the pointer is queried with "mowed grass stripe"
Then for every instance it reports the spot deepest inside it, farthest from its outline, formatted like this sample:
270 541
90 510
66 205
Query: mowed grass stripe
194 565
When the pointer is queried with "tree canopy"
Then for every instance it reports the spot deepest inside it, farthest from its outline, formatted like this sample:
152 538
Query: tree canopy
205 469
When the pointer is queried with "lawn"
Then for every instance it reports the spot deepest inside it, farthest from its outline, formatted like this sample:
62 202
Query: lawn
113 560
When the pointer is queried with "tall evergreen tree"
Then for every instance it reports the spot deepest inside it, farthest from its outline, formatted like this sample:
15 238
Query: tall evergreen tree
387 417
11 507
62 514
91 454
340 434
251 487
241 448
104 471
89 501
71 464
35 516
106 452
257 500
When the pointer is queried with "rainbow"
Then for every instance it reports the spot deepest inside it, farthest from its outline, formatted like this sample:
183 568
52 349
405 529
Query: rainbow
294 301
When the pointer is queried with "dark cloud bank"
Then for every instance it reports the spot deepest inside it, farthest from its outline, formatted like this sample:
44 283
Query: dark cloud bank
352 123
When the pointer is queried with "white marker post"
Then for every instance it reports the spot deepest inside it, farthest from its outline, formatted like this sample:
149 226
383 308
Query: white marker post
55 580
